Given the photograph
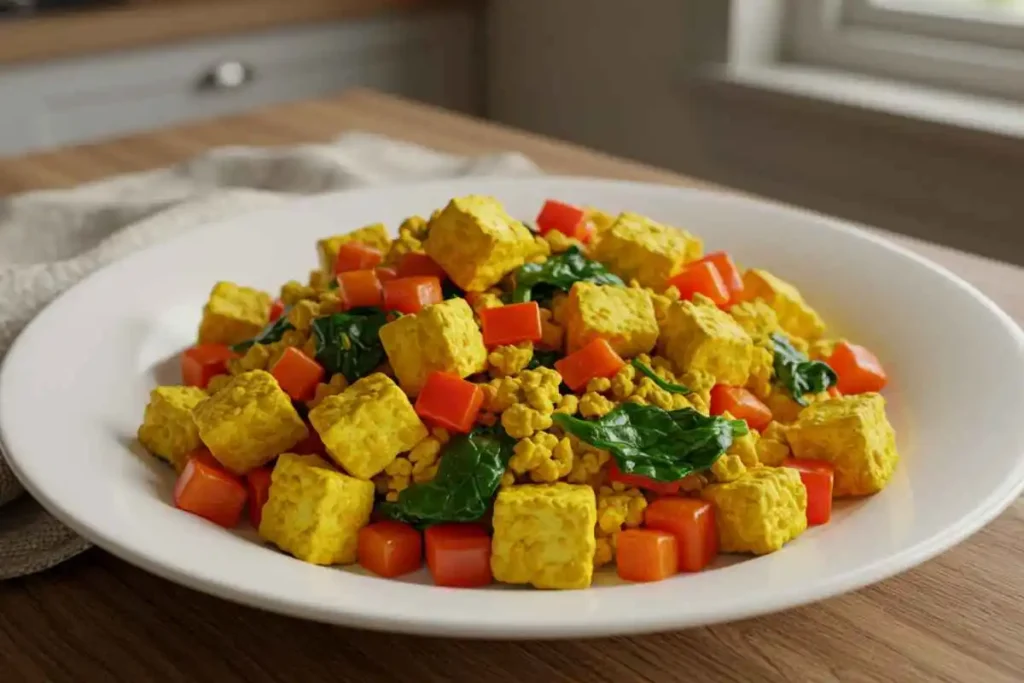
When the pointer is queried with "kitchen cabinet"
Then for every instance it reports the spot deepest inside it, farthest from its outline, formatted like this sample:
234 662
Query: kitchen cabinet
428 55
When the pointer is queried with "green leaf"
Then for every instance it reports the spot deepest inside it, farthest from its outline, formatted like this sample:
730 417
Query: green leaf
270 334
664 445
798 375
670 387
450 290
559 272
349 342
543 359
466 482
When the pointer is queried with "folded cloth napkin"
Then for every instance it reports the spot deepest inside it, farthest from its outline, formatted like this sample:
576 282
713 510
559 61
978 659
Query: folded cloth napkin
49 240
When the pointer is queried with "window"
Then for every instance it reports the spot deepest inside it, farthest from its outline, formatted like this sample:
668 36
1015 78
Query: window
975 46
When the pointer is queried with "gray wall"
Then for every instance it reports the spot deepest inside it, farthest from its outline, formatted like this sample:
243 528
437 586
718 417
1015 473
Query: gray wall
619 76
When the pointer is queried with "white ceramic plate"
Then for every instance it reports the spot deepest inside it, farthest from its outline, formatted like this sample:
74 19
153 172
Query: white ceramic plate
73 388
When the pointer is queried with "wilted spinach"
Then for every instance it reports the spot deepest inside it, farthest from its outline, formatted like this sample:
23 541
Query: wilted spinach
559 272
670 387
268 335
349 342
543 359
797 374
467 479
665 445
450 290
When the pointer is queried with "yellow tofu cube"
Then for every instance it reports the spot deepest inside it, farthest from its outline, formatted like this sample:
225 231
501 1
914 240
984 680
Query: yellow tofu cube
795 316
756 317
167 430
544 535
315 512
853 433
375 235
637 248
761 511
442 337
233 314
365 427
623 317
477 243
248 422
703 339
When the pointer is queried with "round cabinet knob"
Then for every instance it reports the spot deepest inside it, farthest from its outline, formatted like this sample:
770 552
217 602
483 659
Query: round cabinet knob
227 75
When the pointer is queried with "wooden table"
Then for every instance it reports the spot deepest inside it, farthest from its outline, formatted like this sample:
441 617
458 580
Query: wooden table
957 618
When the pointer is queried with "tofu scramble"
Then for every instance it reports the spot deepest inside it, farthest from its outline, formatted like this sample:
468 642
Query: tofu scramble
521 405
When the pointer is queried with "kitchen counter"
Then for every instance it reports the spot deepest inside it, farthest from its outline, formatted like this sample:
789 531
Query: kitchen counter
144 23
957 618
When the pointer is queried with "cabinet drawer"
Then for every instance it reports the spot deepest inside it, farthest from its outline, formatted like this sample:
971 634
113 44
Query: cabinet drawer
427 56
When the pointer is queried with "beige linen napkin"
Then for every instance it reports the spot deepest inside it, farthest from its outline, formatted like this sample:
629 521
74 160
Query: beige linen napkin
50 240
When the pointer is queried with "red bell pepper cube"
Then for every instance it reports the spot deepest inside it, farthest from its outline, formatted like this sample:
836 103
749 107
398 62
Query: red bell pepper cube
206 489
596 359
449 401
511 324
818 477
204 361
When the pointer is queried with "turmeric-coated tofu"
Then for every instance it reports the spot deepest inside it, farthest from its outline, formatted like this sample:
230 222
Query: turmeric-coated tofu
167 430
248 422
233 314
795 316
761 511
315 512
756 317
853 433
621 316
477 242
443 337
700 338
365 427
544 535
375 235
637 248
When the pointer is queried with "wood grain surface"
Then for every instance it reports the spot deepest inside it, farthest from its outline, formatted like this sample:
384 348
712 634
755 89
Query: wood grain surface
143 23
957 618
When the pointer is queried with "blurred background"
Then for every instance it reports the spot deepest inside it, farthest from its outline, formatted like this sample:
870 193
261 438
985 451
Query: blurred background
905 114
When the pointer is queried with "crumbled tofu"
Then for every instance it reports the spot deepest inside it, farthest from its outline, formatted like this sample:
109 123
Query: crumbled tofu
544 535
704 339
623 317
853 433
442 337
365 427
772 448
375 235
167 430
795 316
233 314
637 248
315 512
756 317
248 422
761 511
477 243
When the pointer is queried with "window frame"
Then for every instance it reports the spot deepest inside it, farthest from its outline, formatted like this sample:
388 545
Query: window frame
963 51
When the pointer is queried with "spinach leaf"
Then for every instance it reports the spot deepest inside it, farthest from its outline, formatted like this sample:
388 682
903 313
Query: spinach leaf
270 334
559 272
798 375
670 387
467 479
543 358
450 290
349 342
665 445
